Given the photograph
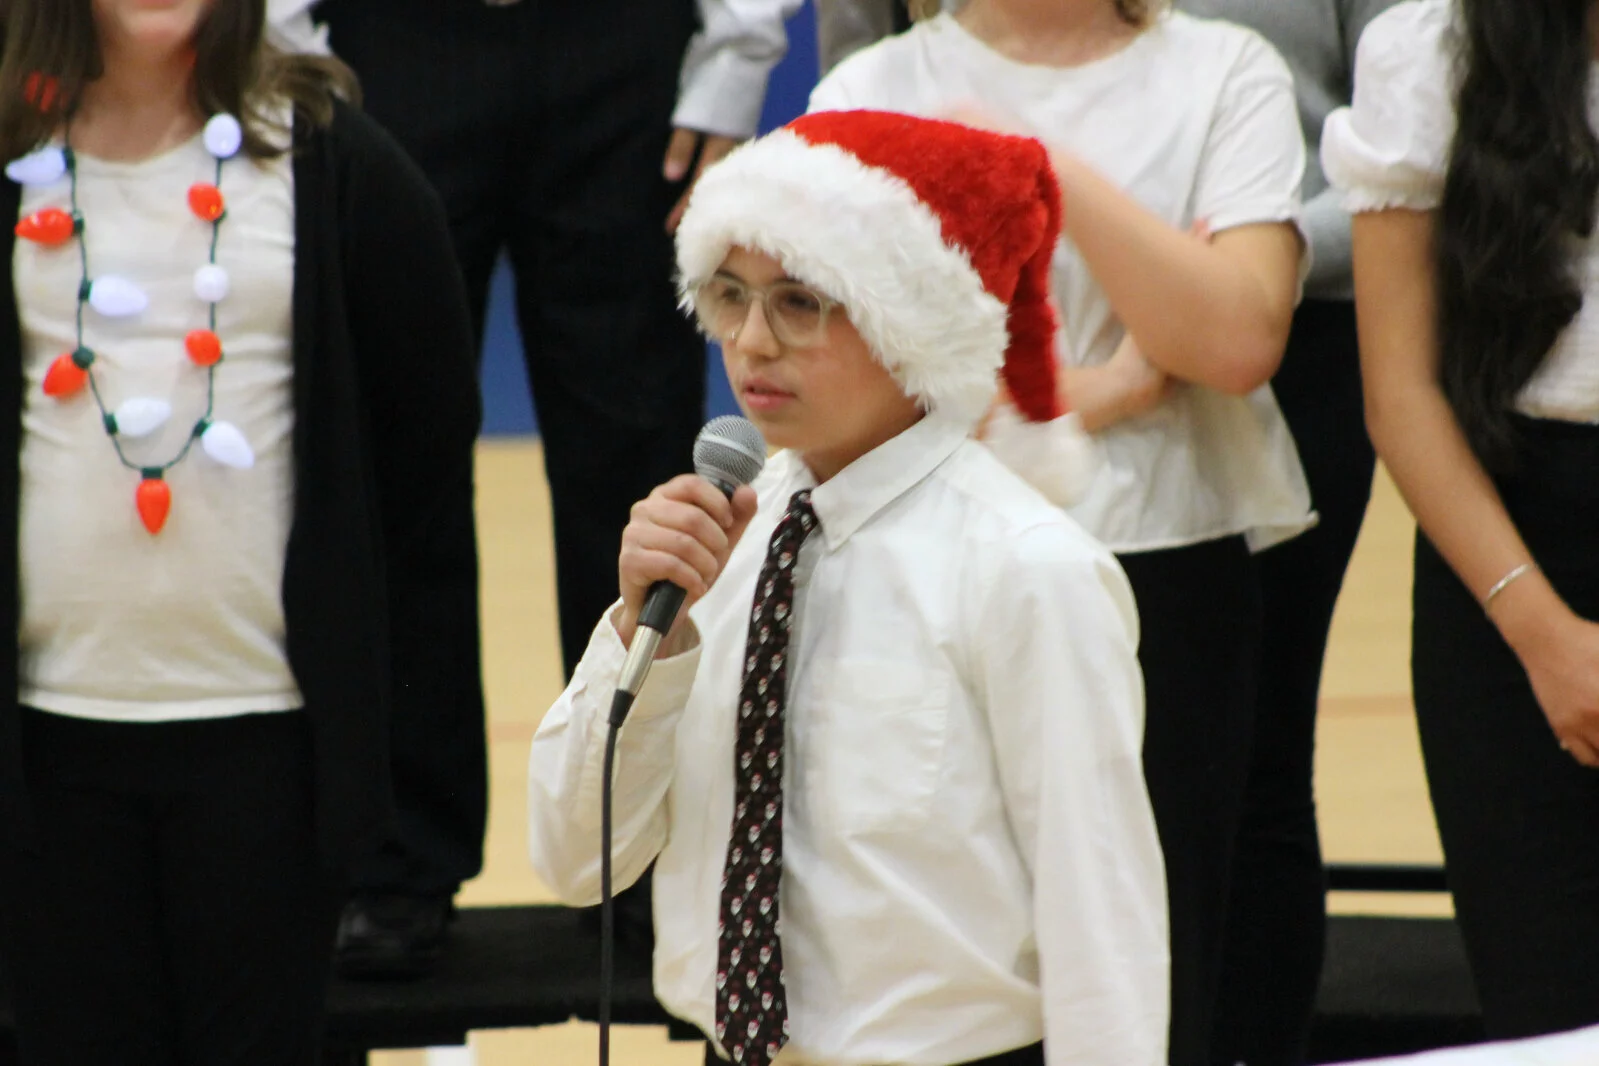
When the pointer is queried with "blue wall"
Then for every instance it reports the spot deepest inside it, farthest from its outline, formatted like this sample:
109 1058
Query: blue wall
506 407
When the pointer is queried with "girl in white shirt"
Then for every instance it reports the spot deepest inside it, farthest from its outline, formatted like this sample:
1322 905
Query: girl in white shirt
1157 122
1471 158
226 308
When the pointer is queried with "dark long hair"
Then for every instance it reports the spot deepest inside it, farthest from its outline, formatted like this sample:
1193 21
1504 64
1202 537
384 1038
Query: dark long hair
52 51
1522 186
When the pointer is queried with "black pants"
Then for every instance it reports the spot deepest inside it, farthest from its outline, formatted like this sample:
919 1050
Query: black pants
1199 609
1276 927
543 126
1519 819
175 910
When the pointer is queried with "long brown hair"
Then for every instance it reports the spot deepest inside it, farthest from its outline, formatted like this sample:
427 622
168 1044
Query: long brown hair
1520 191
52 51
1133 12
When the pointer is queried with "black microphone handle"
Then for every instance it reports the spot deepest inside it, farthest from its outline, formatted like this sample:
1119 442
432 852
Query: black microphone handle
661 606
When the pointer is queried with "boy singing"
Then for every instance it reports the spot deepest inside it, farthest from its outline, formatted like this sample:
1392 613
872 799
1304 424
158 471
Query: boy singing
887 764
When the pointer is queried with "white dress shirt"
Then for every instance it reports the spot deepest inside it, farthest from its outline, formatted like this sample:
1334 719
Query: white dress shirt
970 860
1195 119
728 63
1391 150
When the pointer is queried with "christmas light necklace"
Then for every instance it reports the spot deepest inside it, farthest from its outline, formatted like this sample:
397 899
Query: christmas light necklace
116 297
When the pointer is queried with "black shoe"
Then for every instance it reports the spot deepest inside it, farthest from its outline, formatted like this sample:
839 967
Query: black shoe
389 937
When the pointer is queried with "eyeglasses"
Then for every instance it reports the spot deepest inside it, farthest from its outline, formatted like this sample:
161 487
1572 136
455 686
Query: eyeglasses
796 314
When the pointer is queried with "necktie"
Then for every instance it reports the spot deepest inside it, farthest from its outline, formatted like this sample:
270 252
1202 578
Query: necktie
751 1005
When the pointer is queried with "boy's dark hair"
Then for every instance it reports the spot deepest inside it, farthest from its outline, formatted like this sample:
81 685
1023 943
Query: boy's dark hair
51 51
1522 182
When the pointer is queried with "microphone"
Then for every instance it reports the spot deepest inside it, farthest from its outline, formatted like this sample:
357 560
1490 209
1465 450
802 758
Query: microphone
729 452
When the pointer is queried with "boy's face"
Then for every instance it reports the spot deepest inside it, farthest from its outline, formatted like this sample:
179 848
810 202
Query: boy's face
832 402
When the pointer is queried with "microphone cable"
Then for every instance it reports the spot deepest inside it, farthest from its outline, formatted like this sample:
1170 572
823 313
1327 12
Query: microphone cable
729 452
620 704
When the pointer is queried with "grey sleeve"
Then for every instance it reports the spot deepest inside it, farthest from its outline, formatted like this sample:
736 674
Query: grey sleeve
1327 227
844 27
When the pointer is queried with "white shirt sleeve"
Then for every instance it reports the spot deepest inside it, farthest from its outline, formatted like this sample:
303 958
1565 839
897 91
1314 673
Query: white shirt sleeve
1254 159
728 62
1391 147
289 27
565 771
1064 696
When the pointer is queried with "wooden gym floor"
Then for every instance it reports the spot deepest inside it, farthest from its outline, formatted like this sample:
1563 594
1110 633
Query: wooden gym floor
1370 789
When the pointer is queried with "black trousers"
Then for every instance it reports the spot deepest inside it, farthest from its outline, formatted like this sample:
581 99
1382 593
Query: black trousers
1519 819
543 126
1199 608
176 910
1277 913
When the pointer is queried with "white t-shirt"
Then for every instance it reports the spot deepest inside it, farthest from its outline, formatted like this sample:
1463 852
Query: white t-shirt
1194 119
1391 149
118 624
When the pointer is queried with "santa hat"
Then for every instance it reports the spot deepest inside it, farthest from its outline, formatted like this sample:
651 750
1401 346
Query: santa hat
937 238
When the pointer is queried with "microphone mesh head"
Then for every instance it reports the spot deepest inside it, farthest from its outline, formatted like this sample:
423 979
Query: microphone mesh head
730 452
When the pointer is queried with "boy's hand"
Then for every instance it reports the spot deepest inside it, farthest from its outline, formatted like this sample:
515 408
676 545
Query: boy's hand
682 532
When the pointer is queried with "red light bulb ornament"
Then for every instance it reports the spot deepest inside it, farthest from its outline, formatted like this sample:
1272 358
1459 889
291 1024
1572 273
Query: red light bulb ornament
51 227
204 347
206 201
68 374
154 500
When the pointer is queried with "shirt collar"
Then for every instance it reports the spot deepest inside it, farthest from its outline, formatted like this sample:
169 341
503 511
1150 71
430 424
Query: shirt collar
853 496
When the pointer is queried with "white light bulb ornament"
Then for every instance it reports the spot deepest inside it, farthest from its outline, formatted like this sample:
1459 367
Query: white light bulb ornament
211 283
139 417
44 167
223 136
224 443
117 297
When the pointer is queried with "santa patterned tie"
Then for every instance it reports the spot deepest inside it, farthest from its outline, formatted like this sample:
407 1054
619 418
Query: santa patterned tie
751 1005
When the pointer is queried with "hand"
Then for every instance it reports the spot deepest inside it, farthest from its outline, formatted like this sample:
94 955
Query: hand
682 532
680 155
1563 666
1001 401
1124 387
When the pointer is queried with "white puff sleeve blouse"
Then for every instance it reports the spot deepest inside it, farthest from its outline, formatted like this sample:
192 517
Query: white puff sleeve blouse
1390 148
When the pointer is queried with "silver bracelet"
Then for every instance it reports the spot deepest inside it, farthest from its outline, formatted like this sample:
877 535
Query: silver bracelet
1524 568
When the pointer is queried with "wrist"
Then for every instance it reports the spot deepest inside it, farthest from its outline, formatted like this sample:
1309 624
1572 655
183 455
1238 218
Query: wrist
1528 613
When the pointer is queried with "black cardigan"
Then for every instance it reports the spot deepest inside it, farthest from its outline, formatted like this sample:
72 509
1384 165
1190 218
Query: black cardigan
380 589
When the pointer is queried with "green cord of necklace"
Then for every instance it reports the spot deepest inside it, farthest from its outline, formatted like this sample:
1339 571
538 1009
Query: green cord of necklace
106 418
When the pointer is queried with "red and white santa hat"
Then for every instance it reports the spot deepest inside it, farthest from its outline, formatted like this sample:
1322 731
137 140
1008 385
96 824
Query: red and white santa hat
936 237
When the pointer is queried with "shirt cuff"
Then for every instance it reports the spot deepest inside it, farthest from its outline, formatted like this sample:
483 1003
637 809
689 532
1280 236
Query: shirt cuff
723 94
666 688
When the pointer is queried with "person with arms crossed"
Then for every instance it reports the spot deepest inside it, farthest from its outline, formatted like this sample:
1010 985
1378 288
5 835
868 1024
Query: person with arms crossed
896 808
240 515
565 136
1471 160
1160 126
